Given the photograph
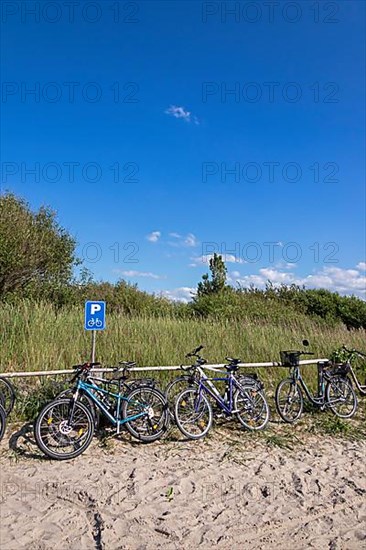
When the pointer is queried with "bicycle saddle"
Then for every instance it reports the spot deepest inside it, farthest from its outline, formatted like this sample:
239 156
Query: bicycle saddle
232 361
233 366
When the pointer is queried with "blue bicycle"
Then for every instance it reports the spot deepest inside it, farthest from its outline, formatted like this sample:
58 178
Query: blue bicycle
65 427
243 398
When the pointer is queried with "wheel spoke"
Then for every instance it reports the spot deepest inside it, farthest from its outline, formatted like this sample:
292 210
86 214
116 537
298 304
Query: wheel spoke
289 400
193 413
61 436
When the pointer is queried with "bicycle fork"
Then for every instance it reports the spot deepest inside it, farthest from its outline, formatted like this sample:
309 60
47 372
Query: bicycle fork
72 408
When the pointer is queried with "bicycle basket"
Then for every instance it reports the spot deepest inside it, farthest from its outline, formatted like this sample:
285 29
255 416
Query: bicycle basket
290 358
339 369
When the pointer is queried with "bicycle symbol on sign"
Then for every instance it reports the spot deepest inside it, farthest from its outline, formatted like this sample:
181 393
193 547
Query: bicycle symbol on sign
97 323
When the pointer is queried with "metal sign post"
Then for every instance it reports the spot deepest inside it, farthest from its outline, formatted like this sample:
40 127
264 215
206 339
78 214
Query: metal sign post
92 354
94 320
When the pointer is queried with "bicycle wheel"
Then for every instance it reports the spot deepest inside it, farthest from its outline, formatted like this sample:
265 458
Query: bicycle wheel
2 421
85 400
289 400
64 429
193 413
7 395
252 408
150 407
341 397
174 388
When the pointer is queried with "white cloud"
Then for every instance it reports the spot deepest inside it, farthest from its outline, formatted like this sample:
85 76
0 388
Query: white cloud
276 276
198 261
181 112
335 278
361 266
232 259
285 265
344 281
154 236
188 240
133 274
182 294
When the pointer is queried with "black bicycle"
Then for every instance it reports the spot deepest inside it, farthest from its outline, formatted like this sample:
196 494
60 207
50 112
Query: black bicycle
2 421
7 395
191 378
334 389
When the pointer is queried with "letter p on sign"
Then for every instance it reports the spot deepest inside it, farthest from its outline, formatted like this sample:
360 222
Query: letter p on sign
94 308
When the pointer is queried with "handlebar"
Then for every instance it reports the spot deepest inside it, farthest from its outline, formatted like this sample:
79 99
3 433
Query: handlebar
199 360
85 366
194 353
81 369
351 351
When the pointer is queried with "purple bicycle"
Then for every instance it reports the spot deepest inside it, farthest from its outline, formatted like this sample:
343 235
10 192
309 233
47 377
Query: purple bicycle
243 399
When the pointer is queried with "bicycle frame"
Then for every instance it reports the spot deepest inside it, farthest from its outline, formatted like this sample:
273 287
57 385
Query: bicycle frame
206 384
318 400
88 388
361 387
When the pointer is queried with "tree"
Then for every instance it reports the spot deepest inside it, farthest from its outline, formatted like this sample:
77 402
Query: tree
218 277
35 251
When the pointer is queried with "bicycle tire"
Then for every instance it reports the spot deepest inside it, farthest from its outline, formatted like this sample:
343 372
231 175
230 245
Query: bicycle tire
7 393
254 410
347 393
171 392
155 423
285 404
186 404
2 422
85 400
46 429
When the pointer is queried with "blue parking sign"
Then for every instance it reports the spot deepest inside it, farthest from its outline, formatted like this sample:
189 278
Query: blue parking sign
94 315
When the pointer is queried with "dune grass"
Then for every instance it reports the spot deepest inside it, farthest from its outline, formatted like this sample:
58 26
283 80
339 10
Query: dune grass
37 337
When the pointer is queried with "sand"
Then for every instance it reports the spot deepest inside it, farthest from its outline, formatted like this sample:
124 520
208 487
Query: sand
228 492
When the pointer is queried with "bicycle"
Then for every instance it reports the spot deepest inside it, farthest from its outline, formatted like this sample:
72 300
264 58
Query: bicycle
352 354
2 421
334 389
193 411
65 427
122 382
7 395
176 386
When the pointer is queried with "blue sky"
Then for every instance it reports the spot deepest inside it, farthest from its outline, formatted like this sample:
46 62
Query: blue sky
175 129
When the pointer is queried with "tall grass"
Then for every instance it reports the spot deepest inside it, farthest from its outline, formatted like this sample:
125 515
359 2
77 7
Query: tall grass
37 337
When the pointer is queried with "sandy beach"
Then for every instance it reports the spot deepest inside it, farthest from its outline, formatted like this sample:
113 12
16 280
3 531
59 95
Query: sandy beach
228 491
